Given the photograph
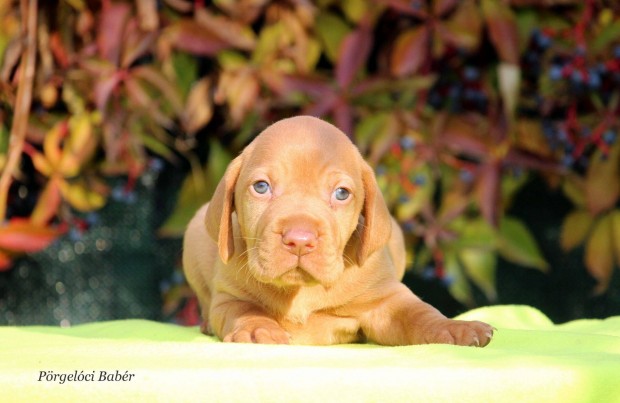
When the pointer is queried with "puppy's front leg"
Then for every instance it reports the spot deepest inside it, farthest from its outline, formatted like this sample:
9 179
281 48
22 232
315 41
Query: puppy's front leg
401 318
239 321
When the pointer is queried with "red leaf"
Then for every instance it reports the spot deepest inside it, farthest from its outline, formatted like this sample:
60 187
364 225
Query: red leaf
354 52
111 27
192 37
416 8
23 236
463 137
5 262
442 7
104 88
343 117
503 31
488 191
410 51
313 86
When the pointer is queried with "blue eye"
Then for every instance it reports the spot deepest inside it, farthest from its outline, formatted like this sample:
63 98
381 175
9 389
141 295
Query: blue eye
261 187
341 194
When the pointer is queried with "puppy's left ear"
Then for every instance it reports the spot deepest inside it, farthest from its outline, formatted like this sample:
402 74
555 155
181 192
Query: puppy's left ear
377 225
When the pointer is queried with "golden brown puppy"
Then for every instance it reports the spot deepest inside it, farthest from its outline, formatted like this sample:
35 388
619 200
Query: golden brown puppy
297 246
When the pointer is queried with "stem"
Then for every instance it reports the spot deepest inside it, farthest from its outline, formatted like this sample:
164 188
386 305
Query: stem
23 101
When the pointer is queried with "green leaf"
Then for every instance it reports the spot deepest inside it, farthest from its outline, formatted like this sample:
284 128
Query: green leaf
599 257
196 190
575 228
459 286
331 30
517 244
355 10
480 267
609 34
268 41
185 69
473 233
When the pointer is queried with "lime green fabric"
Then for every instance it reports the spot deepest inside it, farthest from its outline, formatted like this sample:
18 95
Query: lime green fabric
529 359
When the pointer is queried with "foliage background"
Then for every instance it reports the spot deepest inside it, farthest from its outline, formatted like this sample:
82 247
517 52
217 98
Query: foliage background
492 125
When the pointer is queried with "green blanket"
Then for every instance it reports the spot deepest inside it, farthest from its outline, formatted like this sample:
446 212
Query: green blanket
529 359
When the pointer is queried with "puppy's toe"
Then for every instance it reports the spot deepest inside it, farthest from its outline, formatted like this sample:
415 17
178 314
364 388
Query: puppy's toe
271 336
475 334
266 334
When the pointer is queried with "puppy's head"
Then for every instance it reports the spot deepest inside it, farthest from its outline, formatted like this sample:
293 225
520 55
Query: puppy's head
302 193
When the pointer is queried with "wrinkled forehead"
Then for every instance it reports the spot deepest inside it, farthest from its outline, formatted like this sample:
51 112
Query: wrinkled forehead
303 142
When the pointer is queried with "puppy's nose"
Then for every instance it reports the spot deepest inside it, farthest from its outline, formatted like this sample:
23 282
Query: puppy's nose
299 241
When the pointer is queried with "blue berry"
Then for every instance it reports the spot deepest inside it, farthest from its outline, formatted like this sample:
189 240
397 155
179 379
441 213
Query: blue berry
407 143
541 39
92 218
594 79
419 180
609 137
156 164
617 52
447 280
428 273
471 73
466 176
555 72
568 161
576 77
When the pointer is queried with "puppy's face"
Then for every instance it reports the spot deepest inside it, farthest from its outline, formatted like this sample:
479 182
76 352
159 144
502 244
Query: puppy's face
300 190
298 199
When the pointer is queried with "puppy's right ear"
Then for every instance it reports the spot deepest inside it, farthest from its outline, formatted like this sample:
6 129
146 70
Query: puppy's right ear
219 213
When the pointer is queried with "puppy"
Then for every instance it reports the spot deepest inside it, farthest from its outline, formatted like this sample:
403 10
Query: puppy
297 246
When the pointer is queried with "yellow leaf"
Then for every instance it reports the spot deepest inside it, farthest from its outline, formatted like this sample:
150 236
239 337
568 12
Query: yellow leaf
603 180
80 197
47 203
615 218
575 228
52 141
599 257
79 146
41 164
198 110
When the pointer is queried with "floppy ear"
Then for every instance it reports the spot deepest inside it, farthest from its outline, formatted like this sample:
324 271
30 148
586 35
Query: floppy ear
377 225
219 213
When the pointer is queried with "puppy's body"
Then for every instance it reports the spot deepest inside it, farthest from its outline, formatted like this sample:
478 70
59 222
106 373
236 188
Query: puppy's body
297 246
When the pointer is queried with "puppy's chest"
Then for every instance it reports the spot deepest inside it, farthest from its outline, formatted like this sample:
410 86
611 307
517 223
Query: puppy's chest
305 302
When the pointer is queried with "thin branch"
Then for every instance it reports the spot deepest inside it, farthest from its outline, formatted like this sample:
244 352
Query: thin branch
22 102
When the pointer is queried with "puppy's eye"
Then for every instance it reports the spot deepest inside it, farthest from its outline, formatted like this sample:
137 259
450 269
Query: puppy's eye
341 194
261 187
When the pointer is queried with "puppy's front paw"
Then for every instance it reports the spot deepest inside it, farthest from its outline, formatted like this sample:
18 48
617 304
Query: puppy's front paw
461 333
258 331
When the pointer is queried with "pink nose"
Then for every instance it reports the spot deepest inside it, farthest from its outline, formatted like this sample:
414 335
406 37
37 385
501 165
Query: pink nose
299 241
